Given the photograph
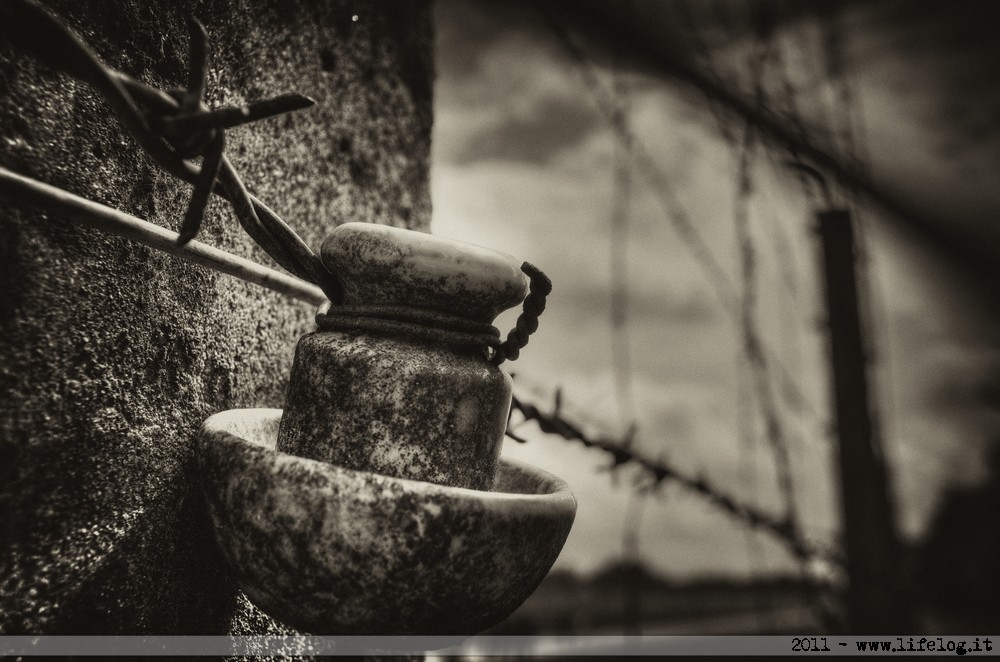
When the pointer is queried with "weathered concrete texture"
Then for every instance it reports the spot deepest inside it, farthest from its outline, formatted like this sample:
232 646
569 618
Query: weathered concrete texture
112 354
398 406
336 551
389 266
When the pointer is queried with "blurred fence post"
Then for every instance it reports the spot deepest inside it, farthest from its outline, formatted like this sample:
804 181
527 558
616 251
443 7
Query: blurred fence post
876 596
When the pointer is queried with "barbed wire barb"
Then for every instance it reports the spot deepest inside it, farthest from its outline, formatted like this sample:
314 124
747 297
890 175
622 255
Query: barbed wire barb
662 472
171 127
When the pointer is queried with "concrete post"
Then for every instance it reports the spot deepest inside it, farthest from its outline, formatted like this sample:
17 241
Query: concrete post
875 600
113 354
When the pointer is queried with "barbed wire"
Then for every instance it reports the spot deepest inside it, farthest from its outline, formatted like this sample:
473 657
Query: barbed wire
745 420
675 212
767 51
757 359
174 126
621 191
621 354
741 309
660 472
539 287
107 219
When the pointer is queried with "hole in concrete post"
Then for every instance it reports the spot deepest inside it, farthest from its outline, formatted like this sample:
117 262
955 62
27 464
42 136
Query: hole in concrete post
327 59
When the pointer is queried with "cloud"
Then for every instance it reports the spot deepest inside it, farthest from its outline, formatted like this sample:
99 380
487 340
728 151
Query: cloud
502 51
523 164
553 124
647 302
466 31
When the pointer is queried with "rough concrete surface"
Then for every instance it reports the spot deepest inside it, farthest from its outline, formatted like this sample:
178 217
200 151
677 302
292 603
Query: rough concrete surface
112 354
334 550
389 414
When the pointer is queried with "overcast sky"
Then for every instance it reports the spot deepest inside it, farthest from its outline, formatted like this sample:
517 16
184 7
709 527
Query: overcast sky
522 162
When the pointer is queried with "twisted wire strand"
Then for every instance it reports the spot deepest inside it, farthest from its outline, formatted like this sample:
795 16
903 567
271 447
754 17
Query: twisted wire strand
174 127
527 322
661 472
676 214
159 238
410 323
748 258
113 221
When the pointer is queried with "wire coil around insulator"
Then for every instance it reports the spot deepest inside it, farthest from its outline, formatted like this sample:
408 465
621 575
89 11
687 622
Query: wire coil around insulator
410 322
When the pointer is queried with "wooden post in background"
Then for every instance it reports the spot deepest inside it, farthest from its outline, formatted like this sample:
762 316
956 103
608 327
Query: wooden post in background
875 601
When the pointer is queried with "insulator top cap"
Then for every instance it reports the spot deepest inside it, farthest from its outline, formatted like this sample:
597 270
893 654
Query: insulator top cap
379 264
